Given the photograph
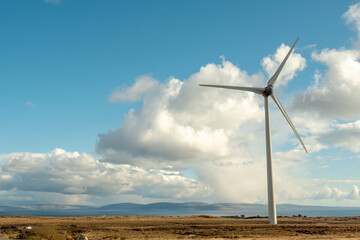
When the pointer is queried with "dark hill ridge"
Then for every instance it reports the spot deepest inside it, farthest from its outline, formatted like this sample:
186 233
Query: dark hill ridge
175 209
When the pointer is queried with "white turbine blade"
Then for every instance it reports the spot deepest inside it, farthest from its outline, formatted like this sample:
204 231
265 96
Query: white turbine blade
249 89
276 74
288 119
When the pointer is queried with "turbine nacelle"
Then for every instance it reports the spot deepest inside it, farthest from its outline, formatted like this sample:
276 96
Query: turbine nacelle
268 91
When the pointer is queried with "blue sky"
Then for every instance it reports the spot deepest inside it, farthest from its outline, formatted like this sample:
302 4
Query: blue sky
68 70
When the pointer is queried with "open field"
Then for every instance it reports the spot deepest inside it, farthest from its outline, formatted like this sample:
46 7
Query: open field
195 227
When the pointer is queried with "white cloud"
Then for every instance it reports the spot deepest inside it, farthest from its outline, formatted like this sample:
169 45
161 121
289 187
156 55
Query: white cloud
346 135
180 121
13 196
71 173
334 94
309 46
353 16
328 109
142 85
307 123
354 194
332 181
335 193
294 64
332 193
334 97
235 179
290 158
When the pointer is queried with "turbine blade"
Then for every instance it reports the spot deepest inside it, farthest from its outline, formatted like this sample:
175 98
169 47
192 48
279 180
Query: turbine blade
288 119
276 74
249 89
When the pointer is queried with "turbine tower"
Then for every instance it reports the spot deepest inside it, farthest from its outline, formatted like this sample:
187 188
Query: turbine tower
266 92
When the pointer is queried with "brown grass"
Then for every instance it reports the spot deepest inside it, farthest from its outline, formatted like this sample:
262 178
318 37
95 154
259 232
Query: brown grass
195 227
37 233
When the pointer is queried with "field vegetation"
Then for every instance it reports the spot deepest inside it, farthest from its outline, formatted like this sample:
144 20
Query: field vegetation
194 227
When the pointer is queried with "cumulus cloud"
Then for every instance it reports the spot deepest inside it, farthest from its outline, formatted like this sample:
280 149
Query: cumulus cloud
354 194
329 192
180 121
334 97
335 193
353 16
294 64
142 85
71 173
291 157
328 109
346 135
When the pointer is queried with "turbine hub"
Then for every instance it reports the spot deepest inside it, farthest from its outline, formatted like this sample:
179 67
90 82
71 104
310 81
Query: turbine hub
268 91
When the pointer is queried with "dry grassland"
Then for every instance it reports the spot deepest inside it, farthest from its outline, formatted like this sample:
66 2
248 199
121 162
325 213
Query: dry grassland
195 227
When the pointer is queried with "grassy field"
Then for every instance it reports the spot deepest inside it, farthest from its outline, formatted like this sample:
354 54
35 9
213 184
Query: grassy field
194 227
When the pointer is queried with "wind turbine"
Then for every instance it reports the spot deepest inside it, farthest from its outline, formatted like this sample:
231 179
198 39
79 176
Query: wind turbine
266 92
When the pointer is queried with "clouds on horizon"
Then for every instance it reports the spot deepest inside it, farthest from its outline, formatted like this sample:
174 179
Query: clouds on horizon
73 178
71 173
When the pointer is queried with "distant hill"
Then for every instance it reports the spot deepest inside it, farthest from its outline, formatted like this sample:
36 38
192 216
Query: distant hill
176 209
165 206
198 206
